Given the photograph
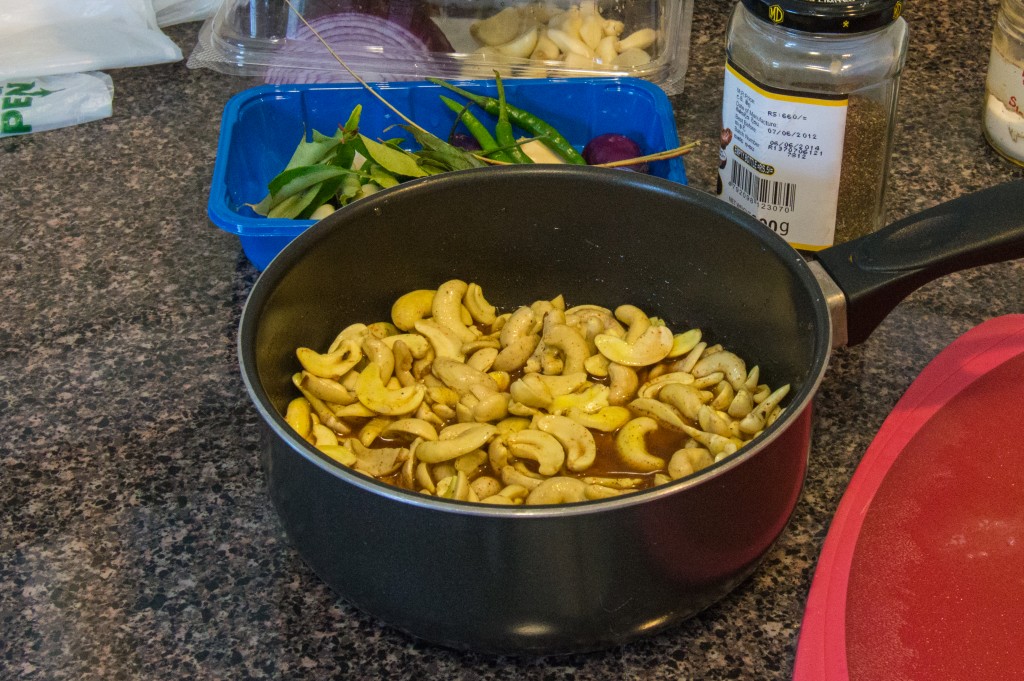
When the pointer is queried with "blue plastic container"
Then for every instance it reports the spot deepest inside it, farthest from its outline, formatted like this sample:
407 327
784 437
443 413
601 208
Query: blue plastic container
262 126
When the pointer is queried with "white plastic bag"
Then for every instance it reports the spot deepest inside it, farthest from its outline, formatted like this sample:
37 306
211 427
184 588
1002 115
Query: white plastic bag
170 12
37 104
45 37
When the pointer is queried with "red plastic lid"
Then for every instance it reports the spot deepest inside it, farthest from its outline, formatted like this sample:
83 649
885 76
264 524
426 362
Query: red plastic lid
922 573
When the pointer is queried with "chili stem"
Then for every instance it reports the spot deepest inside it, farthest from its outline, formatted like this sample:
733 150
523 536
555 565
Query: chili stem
657 156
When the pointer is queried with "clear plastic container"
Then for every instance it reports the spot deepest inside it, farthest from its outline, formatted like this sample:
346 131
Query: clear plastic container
809 113
391 40
1003 120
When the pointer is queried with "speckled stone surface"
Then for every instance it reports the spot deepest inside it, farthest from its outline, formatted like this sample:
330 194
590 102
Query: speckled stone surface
136 535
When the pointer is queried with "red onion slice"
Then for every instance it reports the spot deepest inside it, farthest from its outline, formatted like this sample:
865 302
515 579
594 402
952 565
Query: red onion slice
365 41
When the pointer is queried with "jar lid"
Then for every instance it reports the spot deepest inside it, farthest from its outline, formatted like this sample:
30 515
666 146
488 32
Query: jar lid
827 16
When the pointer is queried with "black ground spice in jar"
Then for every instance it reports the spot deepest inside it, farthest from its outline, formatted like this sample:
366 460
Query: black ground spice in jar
865 162
808 115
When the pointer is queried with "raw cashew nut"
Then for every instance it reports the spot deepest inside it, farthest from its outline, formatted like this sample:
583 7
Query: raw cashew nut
481 359
653 387
651 347
441 450
634 318
718 445
665 415
418 345
724 395
372 429
578 442
538 446
323 412
461 377
734 368
339 453
615 483
356 410
491 407
403 363
326 389
592 399
558 490
299 416
412 307
571 344
685 364
606 420
322 435
632 447
353 332
447 309
511 494
741 404
756 419
686 398
470 462
711 421
688 461
486 486
410 429
377 397
511 476
531 391
454 487
377 352
444 341
377 461
481 310
518 340
623 385
333 365
595 492
683 343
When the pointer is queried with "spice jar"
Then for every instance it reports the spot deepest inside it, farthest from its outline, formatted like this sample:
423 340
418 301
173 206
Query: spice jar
808 114
1003 120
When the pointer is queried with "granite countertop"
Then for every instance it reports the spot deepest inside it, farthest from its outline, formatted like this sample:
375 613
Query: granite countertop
136 535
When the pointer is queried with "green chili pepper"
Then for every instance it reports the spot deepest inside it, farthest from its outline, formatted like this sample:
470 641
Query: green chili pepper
503 129
488 146
524 119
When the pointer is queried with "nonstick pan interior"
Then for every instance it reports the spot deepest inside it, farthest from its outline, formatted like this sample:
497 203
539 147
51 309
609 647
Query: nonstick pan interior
595 236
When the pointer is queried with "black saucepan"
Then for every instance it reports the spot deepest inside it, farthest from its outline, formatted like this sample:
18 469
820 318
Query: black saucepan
556 579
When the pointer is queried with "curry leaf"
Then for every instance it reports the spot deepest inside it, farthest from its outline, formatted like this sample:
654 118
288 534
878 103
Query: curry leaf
309 153
393 160
382 177
450 155
293 181
293 206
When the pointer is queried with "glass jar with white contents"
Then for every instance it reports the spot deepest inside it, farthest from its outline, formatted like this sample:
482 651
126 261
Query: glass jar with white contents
1003 120
808 115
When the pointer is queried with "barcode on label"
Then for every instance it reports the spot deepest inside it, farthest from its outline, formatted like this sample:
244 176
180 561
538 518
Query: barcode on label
766 192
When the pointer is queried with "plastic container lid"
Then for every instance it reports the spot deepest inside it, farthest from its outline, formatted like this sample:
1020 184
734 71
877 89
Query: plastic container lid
389 40
922 572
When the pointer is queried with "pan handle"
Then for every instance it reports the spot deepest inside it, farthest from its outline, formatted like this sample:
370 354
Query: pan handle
877 271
